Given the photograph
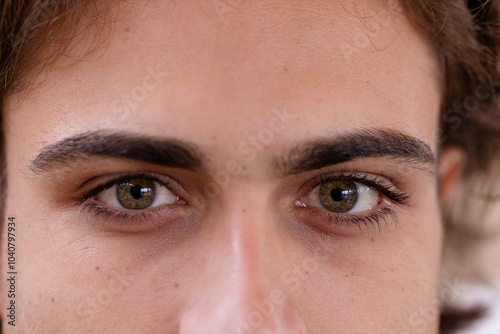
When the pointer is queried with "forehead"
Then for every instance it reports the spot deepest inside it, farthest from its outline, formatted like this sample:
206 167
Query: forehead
211 69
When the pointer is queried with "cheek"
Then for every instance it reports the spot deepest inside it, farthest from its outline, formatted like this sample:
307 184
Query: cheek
387 282
93 282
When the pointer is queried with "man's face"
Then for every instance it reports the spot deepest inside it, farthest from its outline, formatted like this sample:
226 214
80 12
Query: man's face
230 167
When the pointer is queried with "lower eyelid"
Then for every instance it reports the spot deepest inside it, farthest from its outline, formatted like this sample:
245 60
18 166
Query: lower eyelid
114 220
332 224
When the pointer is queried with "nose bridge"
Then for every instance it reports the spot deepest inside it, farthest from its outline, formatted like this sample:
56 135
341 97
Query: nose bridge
240 293
246 234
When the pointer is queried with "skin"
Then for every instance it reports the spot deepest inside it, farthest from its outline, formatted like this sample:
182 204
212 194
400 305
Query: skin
246 260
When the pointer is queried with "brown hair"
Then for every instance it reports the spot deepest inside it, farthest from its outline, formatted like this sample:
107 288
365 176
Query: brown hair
465 37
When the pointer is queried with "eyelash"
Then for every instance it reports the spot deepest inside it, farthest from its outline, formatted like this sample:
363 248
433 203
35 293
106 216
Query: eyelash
375 218
134 218
371 221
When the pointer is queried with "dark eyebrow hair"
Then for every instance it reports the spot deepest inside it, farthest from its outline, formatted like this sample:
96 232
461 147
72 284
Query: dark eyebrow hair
64 153
360 144
311 155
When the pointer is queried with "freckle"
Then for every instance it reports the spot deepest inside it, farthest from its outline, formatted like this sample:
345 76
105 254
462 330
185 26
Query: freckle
29 302
97 268
127 29
214 138
52 299
176 285
372 239
244 210
285 69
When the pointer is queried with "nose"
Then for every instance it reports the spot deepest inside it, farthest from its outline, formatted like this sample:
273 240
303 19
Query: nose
241 290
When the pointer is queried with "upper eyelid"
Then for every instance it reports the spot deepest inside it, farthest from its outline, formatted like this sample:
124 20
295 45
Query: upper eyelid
371 180
95 190
359 177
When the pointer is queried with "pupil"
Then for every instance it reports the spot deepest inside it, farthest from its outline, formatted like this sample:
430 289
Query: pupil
136 191
337 194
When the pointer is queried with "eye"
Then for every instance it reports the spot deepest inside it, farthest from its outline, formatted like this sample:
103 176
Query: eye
137 194
342 196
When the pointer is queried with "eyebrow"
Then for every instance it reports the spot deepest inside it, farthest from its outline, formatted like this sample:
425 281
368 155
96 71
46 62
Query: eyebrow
64 153
364 143
306 156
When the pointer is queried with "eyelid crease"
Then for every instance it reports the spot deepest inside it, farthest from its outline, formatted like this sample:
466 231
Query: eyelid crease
375 181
